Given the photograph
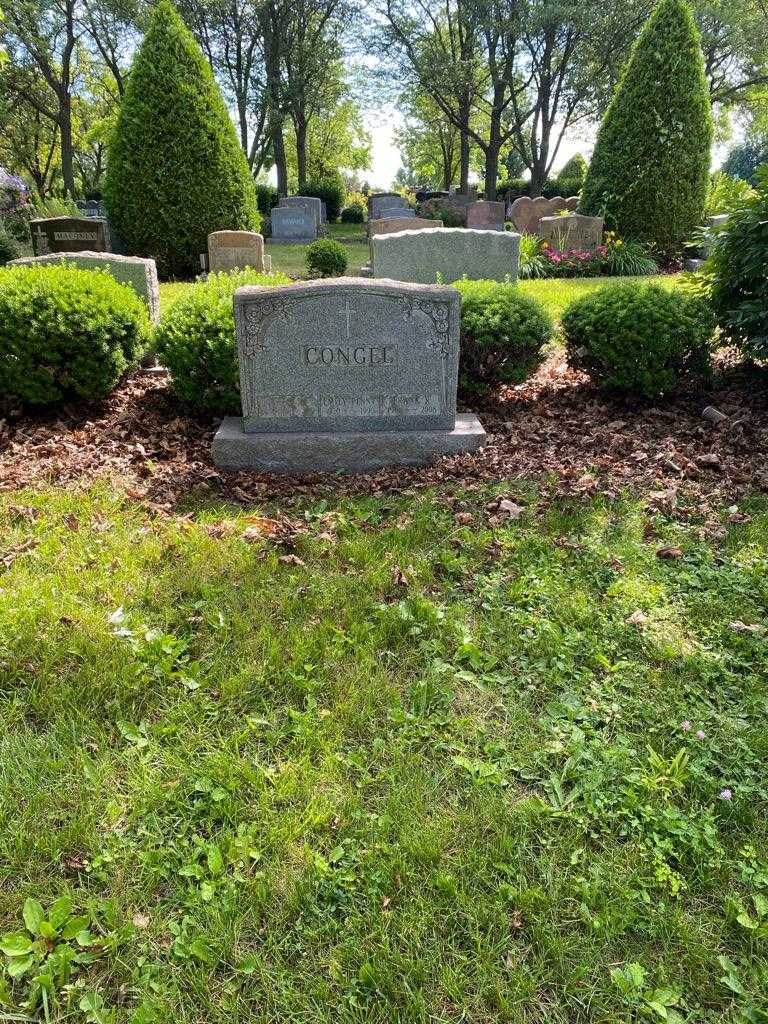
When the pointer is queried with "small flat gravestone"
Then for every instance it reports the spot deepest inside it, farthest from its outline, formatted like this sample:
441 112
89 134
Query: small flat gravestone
290 225
572 232
489 216
69 234
452 253
139 274
235 250
526 212
346 374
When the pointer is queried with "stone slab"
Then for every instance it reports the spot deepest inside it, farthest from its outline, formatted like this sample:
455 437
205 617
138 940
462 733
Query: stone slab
572 232
309 204
140 274
293 226
526 212
352 452
489 216
235 250
380 201
388 225
451 253
348 354
69 234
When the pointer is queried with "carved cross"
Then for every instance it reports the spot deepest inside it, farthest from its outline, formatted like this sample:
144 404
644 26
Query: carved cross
347 312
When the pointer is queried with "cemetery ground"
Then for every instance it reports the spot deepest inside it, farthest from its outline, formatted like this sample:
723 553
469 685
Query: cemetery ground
479 742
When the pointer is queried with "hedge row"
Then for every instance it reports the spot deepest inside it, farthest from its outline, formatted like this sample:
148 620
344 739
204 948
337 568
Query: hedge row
69 334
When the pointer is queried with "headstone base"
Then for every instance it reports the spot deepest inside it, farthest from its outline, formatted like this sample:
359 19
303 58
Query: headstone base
351 452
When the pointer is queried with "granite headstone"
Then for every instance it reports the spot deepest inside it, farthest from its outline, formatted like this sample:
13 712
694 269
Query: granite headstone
572 232
140 274
345 374
526 212
290 225
489 216
230 250
69 234
307 203
380 201
452 253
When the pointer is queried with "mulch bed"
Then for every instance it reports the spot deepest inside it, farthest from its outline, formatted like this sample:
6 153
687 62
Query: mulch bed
555 430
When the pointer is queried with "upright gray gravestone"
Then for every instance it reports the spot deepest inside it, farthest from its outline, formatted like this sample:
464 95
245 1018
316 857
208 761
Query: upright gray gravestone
451 253
69 234
309 204
294 226
139 274
346 374
381 201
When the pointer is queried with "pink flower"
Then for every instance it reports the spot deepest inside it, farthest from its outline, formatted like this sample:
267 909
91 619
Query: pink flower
685 726
726 794
700 735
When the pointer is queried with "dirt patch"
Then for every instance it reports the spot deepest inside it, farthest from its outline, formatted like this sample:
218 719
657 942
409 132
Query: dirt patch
555 429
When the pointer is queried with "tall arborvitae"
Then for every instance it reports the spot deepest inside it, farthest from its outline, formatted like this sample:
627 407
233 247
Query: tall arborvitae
175 169
649 171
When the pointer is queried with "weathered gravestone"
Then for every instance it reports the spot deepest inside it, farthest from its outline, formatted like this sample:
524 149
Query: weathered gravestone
396 213
381 201
69 234
309 204
452 253
290 225
388 225
489 216
526 212
230 250
140 274
572 232
346 374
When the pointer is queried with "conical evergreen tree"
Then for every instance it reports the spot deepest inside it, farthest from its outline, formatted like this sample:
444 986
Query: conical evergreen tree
649 171
175 169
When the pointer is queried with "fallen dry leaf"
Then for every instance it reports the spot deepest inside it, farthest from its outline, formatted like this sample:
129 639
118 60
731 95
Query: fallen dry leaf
637 618
141 920
670 553
290 560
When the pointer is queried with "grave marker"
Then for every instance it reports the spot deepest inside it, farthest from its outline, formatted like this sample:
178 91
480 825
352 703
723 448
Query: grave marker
69 234
230 250
526 212
346 374
572 232
488 216
294 226
452 253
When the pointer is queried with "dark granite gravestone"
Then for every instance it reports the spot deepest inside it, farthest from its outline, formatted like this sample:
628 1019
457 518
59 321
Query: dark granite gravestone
69 234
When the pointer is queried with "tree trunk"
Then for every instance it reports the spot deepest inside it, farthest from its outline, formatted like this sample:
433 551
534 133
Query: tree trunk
300 126
491 170
65 141
463 162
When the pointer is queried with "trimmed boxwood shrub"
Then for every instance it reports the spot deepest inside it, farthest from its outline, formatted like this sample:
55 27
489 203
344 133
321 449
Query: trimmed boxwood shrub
65 333
570 180
650 168
502 334
175 170
327 258
353 214
639 339
739 269
331 190
196 340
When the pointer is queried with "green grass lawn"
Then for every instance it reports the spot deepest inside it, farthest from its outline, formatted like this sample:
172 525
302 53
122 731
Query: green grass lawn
425 764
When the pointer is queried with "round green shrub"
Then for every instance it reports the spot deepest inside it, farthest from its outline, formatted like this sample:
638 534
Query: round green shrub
650 167
331 190
570 180
502 334
66 334
196 341
175 169
738 266
327 258
639 339
353 214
